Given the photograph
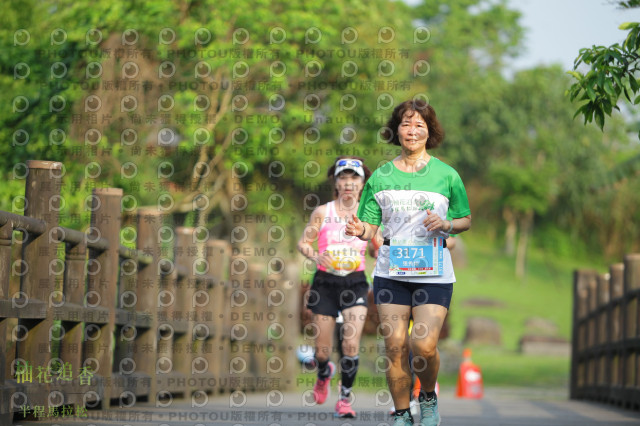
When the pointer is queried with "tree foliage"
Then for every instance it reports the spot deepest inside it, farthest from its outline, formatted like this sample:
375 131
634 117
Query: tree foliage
213 110
612 74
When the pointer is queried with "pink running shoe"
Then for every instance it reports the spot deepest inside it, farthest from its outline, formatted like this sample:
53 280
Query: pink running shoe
321 388
344 410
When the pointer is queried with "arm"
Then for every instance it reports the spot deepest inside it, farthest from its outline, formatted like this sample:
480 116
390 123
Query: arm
310 236
376 242
363 230
458 225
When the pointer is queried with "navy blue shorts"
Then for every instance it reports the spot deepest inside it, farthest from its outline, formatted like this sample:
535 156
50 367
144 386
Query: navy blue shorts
388 291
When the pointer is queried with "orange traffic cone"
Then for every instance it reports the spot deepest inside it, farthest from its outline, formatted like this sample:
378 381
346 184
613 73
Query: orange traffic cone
469 378
416 389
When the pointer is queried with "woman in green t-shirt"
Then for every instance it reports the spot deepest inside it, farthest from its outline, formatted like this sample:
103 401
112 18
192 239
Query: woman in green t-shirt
413 196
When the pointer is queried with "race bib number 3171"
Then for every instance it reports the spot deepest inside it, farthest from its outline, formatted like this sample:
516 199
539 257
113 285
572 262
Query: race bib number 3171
413 259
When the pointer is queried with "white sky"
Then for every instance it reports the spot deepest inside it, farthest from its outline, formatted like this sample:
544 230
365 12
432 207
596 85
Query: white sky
555 30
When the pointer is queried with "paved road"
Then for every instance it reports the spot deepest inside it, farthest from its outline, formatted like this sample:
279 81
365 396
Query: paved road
499 407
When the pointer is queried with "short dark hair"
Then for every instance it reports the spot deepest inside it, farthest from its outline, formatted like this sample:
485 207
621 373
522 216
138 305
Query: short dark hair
332 169
428 114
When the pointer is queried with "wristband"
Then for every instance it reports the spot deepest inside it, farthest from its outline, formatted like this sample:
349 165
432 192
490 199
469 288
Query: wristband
364 229
450 227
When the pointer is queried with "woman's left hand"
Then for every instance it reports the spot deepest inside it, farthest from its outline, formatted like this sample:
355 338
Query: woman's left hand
433 222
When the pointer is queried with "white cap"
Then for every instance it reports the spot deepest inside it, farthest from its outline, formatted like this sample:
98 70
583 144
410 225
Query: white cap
349 164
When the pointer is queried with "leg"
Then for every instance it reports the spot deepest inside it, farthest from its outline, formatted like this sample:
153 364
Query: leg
427 322
354 319
324 325
394 323
351 333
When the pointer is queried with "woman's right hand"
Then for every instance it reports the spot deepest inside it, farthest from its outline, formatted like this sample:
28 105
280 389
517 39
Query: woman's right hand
354 227
325 259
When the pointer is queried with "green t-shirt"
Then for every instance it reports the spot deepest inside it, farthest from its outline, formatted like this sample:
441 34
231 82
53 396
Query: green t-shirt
399 201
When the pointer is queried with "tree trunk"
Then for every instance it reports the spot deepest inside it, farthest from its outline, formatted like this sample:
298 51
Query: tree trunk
526 224
510 233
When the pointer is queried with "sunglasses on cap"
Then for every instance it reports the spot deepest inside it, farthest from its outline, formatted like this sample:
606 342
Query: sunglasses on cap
349 164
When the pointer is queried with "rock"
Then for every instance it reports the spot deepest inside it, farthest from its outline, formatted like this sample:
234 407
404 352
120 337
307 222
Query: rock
475 302
450 355
545 345
540 326
482 331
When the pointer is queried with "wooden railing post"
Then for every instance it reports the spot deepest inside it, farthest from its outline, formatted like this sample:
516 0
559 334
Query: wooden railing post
74 294
146 342
291 319
186 252
203 328
168 381
631 332
282 302
39 252
102 286
6 232
238 364
218 254
579 338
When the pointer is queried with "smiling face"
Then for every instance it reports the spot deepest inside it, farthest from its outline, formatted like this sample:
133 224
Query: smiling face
413 132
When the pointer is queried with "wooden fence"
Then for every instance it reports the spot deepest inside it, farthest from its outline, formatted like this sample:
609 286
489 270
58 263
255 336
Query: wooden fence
605 361
86 322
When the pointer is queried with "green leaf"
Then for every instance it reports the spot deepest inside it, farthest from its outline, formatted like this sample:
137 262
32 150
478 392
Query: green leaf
626 93
619 84
608 87
601 79
633 83
617 55
599 118
637 100
581 110
627 25
630 43
606 106
575 74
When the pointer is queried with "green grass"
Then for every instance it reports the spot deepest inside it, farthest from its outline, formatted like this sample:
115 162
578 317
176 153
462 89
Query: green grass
545 291
502 368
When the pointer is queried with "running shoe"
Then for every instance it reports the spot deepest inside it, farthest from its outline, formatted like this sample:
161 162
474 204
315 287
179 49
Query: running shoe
321 388
429 412
344 410
403 420
414 408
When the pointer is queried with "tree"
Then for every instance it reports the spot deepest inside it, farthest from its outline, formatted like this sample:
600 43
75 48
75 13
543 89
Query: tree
306 82
612 74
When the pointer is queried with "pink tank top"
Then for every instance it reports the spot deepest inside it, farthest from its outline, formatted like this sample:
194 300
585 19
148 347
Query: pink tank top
348 252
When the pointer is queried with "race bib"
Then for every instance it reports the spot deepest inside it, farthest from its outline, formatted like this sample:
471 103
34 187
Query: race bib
408 258
346 259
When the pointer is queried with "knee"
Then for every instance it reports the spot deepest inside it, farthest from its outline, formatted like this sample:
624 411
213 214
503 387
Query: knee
350 347
425 348
396 349
322 353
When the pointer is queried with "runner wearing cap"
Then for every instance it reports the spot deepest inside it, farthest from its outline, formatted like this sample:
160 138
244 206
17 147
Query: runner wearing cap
339 284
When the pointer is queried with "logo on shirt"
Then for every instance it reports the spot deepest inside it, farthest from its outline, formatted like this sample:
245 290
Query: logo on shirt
426 205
